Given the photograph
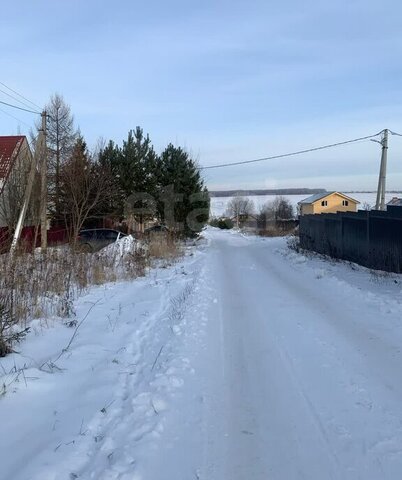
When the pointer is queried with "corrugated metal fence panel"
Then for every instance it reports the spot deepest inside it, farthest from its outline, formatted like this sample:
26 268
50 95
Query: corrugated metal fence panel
370 238
355 245
305 233
320 237
394 211
385 243
333 235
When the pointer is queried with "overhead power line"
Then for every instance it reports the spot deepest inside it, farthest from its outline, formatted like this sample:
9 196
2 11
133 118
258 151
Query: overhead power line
395 133
22 96
15 98
299 152
19 108
15 118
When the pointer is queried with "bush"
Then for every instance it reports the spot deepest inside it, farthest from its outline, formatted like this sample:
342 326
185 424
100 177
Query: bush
293 243
9 333
36 285
223 223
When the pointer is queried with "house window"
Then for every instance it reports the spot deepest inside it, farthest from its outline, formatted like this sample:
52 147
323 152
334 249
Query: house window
324 203
345 203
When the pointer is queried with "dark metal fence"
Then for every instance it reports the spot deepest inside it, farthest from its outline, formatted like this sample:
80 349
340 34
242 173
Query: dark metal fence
370 238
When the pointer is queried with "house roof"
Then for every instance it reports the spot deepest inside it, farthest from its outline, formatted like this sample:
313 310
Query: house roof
8 146
314 198
397 202
318 196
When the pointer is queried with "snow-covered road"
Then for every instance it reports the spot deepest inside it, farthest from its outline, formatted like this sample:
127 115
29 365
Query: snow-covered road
243 362
309 378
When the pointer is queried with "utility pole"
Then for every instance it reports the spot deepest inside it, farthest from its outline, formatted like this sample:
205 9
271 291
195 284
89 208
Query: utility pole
27 197
380 202
39 159
43 182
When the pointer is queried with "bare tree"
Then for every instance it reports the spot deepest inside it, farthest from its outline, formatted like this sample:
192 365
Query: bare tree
84 185
279 208
61 136
99 147
240 208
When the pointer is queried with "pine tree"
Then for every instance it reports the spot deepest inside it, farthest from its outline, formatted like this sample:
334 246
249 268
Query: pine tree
133 167
137 163
183 200
109 158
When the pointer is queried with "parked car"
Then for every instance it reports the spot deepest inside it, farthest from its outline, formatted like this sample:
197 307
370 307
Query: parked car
156 229
94 239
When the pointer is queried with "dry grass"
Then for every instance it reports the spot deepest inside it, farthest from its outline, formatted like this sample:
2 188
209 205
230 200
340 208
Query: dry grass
273 231
36 285
163 247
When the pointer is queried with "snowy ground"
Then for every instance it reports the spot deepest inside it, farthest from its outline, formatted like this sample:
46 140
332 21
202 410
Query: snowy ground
219 204
245 361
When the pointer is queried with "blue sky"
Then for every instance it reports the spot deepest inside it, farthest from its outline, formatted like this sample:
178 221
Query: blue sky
228 80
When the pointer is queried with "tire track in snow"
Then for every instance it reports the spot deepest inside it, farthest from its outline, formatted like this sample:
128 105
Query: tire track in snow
321 403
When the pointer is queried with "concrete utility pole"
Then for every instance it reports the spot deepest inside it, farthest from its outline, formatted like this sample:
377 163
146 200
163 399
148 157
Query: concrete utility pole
43 183
380 202
27 197
39 159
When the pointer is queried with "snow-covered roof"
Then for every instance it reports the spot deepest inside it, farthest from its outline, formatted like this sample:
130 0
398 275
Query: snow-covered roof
315 197
318 196
395 202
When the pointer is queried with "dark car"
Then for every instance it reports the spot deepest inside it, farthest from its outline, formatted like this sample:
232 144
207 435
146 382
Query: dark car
92 240
156 229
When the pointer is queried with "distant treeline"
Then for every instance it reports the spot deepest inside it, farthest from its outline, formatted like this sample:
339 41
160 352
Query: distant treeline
371 191
276 191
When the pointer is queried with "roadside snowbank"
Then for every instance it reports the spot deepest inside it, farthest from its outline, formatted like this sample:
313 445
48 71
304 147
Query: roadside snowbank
122 247
77 400
243 360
